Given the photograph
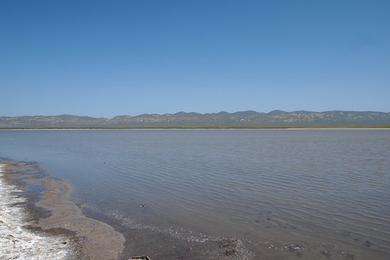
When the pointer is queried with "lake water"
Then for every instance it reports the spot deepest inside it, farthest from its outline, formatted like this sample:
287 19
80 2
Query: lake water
324 192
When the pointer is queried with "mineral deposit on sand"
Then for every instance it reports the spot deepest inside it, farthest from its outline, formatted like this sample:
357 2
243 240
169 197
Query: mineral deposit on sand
47 237
19 242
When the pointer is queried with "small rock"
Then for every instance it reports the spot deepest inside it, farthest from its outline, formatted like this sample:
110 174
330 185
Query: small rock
230 252
296 249
326 253
144 257
367 243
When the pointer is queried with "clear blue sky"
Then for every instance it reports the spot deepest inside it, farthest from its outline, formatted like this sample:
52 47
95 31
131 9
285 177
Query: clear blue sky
104 58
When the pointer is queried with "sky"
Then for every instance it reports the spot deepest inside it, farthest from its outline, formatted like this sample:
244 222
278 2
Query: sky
107 58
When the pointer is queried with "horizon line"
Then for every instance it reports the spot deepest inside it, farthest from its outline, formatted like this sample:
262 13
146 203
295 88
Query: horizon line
193 112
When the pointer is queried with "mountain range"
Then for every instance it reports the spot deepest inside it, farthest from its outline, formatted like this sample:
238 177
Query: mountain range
242 119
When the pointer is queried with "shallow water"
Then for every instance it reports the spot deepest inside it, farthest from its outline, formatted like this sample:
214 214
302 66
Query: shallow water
325 190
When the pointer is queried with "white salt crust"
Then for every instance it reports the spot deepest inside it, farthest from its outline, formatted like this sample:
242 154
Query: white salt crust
18 242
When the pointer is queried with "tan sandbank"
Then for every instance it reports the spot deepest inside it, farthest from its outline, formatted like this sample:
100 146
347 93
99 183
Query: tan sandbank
96 240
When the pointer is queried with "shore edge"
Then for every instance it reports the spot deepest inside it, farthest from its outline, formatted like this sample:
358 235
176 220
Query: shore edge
60 221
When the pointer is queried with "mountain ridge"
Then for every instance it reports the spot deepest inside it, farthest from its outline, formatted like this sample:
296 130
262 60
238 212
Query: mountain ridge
222 119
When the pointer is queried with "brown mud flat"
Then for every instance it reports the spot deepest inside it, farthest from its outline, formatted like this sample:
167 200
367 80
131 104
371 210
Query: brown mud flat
56 214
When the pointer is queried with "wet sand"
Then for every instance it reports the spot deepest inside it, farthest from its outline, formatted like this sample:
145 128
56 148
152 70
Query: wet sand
55 216
17 241
97 240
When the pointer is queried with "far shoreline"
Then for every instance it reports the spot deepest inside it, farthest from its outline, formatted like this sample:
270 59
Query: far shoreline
195 128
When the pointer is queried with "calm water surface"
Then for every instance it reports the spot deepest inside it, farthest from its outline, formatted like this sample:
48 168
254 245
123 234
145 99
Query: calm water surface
320 187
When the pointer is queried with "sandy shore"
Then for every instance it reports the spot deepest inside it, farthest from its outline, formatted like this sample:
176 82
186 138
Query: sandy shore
63 233
97 239
19 242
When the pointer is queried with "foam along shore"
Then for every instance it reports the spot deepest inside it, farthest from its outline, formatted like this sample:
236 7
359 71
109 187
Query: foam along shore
19 242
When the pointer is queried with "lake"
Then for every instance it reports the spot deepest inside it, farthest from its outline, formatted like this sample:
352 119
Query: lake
279 194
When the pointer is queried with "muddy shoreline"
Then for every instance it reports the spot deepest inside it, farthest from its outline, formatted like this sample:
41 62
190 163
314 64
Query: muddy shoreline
51 213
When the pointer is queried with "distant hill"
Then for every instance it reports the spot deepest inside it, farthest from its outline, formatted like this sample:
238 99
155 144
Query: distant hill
242 119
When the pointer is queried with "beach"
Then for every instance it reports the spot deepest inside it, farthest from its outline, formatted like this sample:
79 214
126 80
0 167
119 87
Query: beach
17 241
64 233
